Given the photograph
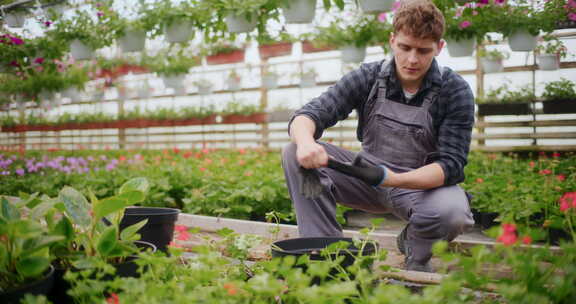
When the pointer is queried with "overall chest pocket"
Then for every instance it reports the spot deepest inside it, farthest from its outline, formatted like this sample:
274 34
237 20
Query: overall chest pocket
392 125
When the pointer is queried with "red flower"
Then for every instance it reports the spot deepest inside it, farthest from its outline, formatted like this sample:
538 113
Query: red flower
532 164
231 288
122 158
176 150
479 180
113 299
202 169
187 154
527 240
545 172
556 154
560 177
508 236
242 151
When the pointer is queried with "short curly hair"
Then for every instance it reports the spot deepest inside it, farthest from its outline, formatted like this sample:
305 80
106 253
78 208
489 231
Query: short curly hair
419 18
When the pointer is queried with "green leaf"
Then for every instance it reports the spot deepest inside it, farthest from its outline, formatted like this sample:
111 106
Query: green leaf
132 197
32 266
107 241
41 209
9 212
77 207
65 229
129 233
136 184
340 4
108 206
42 243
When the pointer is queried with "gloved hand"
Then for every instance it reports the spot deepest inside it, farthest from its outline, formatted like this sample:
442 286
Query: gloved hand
372 175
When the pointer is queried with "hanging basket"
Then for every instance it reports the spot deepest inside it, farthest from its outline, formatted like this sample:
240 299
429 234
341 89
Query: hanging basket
239 24
376 6
275 50
15 20
461 48
226 58
173 81
548 62
522 41
300 11
80 51
352 54
132 41
178 32
492 66
270 81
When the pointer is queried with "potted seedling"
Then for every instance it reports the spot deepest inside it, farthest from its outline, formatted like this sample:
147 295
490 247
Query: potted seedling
549 52
492 60
505 101
559 97
24 256
240 112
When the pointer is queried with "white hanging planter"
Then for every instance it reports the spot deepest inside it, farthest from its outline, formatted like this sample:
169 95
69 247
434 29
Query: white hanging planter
132 41
204 89
178 32
15 20
173 81
307 80
80 51
492 65
376 6
353 54
239 24
300 11
233 84
270 81
461 48
548 62
522 41
72 93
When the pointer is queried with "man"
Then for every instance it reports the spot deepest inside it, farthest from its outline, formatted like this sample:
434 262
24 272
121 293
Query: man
415 120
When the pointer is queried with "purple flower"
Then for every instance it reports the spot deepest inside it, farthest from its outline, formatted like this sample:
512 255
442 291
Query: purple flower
110 167
47 23
20 171
572 16
100 14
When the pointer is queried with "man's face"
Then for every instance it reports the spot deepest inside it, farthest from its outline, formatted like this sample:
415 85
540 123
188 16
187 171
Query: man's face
413 56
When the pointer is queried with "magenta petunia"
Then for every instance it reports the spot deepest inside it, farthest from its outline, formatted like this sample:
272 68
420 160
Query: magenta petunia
572 16
39 60
17 41
464 24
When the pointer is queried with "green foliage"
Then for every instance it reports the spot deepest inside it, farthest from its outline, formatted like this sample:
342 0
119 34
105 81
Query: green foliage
360 32
166 63
24 244
551 45
562 89
493 54
504 94
238 107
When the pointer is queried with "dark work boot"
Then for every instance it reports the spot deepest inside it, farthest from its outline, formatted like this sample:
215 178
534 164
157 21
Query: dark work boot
409 262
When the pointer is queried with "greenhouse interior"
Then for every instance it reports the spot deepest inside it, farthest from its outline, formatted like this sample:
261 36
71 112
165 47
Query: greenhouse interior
214 151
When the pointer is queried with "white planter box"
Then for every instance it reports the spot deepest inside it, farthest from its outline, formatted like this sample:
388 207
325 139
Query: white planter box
461 48
307 81
492 66
353 54
548 62
270 81
522 41
15 20
300 11
80 51
239 24
173 81
376 6
178 32
133 41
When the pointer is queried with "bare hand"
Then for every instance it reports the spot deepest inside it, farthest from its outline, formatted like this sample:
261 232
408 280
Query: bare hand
311 155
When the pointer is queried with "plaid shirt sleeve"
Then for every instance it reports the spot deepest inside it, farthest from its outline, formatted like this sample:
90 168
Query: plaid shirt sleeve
339 100
454 120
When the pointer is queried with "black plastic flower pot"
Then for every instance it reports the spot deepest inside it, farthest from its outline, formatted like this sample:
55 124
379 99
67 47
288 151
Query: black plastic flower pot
314 245
128 268
160 227
488 220
556 236
42 286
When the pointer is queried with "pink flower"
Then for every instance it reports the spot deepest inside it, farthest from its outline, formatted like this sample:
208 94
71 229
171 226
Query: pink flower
39 60
382 17
17 41
532 164
100 14
560 177
508 236
567 201
545 172
572 16
396 5
464 24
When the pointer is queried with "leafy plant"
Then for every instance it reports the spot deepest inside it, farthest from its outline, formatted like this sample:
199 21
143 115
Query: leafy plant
551 45
493 54
87 237
169 64
504 94
359 31
563 89
24 243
